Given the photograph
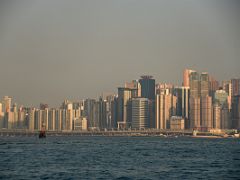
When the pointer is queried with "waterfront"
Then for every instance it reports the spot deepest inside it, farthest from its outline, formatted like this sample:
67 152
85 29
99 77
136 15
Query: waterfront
76 157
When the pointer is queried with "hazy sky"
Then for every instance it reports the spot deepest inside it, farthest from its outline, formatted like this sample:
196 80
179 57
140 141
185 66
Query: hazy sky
56 49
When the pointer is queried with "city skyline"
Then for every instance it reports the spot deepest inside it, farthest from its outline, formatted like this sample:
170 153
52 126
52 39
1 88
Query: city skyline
114 91
54 50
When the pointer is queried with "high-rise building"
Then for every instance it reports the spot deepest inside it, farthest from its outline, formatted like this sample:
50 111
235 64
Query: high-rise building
216 116
213 86
194 85
182 109
236 112
186 74
135 86
222 106
204 84
147 87
7 104
1 117
165 105
177 123
235 87
140 113
31 119
227 86
51 119
124 107
195 120
206 113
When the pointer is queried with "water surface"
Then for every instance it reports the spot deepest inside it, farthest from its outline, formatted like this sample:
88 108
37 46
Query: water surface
119 158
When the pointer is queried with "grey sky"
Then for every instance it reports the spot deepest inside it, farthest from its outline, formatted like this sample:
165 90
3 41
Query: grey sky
56 49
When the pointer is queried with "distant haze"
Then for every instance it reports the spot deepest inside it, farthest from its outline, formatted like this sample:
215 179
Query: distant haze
51 50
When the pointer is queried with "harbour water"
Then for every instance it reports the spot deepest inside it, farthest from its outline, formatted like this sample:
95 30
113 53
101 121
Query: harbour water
79 157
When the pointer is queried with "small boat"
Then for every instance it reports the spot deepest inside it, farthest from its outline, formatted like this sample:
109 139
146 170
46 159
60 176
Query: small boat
42 134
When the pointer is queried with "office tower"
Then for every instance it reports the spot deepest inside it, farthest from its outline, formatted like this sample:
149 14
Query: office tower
140 113
182 109
43 119
217 116
213 86
58 119
102 113
236 112
6 103
225 118
88 111
227 86
114 112
186 74
51 119
15 116
206 113
221 100
204 84
164 88
23 119
69 116
165 105
109 113
124 107
194 85
1 117
135 86
148 91
235 87
31 119
147 87
195 121
177 123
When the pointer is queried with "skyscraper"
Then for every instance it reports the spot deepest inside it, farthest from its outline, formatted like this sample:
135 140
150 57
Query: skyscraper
236 112
204 84
206 113
124 107
183 95
147 87
140 113
235 87
186 74
165 105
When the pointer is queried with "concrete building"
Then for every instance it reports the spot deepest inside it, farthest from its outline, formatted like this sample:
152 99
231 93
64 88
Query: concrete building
165 109
186 74
124 107
182 109
206 113
135 86
236 112
195 120
80 124
177 123
147 87
235 86
31 119
217 116
140 113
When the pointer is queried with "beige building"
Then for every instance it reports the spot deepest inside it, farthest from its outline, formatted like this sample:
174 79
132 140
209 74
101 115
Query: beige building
186 73
206 113
177 123
165 107
195 120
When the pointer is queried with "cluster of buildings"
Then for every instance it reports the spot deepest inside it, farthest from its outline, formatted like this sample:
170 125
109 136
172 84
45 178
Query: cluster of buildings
201 103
